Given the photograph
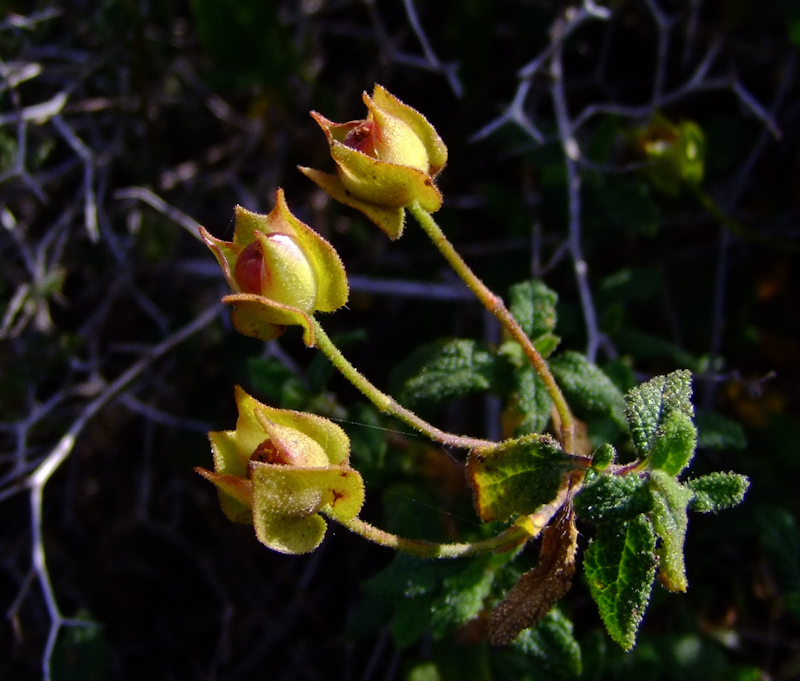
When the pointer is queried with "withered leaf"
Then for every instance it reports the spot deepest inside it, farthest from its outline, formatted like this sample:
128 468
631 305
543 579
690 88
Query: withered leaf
538 590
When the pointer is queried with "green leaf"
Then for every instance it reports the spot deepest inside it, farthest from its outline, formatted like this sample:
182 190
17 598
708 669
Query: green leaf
277 383
533 402
718 432
518 476
445 370
613 498
435 596
670 503
546 652
461 599
586 386
620 566
533 305
674 444
649 404
603 457
368 445
717 491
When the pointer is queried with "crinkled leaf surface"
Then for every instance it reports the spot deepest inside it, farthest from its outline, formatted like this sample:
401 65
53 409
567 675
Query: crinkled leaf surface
436 596
532 402
674 444
546 652
518 476
533 305
717 491
620 566
585 385
649 404
447 369
613 498
462 597
670 503
603 457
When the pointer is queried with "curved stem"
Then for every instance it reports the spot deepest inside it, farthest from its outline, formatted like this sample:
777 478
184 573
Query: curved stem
497 307
525 528
505 541
383 401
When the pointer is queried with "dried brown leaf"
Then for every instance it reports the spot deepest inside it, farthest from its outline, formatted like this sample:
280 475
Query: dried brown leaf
538 590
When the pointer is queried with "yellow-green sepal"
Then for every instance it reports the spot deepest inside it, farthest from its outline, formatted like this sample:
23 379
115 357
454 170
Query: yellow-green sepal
390 220
287 502
235 495
265 319
437 151
382 183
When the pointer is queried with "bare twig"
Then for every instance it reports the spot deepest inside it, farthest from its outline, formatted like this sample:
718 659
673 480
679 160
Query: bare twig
154 201
39 478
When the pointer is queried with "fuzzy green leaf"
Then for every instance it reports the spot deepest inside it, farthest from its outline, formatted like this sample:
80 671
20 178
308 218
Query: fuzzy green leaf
546 652
446 370
620 566
534 306
649 404
533 401
613 498
518 476
670 502
435 596
717 491
603 457
588 387
461 599
674 444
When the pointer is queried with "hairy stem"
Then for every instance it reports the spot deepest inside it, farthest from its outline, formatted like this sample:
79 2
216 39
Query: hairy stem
505 541
497 307
386 403
525 528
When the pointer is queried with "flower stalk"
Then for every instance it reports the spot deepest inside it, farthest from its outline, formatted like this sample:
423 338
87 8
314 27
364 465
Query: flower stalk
497 307
384 402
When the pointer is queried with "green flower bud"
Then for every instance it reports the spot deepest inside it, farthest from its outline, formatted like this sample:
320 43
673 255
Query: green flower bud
280 270
279 470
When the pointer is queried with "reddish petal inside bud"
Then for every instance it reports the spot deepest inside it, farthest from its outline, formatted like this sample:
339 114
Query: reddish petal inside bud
361 139
249 269
267 452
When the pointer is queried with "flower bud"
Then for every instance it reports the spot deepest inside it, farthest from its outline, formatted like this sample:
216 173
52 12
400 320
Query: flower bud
279 470
280 270
274 266
674 154
384 162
